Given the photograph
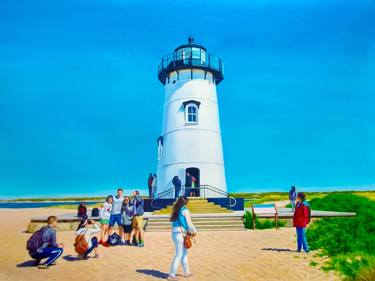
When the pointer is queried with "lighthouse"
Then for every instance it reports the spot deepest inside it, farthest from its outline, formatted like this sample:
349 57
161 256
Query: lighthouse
190 141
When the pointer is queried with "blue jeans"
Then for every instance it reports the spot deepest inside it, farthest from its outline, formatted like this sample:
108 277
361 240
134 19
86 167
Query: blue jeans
113 219
293 203
94 244
181 255
301 239
51 254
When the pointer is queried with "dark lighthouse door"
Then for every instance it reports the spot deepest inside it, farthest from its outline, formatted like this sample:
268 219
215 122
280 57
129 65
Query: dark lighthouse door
194 172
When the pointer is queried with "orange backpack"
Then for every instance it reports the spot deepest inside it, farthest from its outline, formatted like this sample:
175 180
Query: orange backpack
80 244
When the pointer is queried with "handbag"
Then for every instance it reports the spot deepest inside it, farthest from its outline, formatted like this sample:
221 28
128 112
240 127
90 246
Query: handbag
187 238
80 244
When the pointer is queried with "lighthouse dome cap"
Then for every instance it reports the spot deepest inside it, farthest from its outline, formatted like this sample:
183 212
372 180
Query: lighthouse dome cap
190 43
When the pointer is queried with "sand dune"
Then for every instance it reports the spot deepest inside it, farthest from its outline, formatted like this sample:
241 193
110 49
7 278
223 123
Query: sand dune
249 255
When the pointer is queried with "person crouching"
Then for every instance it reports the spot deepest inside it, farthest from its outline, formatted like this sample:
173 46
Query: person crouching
85 241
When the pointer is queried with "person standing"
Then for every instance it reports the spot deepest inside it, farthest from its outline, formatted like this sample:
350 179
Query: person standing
149 184
42 244
301 219
188 183
292 197
138 206
153 186
105 214
177 186
115 217
181 225
84 228
127 217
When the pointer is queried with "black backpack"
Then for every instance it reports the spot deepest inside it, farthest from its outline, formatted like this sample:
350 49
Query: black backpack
95 212
114 239
36 240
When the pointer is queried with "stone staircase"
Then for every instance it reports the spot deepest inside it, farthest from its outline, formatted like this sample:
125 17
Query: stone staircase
206 216
197 206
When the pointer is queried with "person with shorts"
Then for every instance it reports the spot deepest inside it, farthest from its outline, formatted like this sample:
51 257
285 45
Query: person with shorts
115 217
105 214
127 217
137 224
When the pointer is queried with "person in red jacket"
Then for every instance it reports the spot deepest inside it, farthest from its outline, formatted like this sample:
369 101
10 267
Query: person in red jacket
301 219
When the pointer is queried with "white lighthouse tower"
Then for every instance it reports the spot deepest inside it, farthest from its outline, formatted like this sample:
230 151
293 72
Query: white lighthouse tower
190 141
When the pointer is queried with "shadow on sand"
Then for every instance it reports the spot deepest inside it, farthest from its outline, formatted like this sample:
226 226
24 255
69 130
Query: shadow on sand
277 250
154 273
30 263
71 258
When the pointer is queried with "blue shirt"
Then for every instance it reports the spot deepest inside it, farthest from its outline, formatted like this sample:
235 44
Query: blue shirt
181 220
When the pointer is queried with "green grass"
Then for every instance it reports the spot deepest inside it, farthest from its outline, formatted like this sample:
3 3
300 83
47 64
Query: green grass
349 242
261 223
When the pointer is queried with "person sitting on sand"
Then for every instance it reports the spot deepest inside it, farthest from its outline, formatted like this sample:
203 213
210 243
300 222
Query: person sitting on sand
115 217
137 224
181 224
43 245
82 211
105 214
127 217
84 228
292 197
301 218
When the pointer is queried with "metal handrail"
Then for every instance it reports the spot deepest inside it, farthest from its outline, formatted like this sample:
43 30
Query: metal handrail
170 193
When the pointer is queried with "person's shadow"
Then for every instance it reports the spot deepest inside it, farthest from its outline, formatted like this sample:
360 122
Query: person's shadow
153 273
30 263
277 250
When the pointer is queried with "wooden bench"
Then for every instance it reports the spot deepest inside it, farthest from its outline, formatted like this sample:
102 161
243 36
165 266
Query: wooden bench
264 209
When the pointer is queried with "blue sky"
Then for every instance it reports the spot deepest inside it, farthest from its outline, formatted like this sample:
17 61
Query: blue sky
81 106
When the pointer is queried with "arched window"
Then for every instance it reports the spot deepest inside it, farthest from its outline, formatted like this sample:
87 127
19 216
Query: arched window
160 142
191 111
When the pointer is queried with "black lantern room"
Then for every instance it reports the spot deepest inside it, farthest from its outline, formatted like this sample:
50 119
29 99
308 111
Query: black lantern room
190 56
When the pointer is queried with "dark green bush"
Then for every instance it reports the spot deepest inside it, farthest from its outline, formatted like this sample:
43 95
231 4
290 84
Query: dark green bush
349 241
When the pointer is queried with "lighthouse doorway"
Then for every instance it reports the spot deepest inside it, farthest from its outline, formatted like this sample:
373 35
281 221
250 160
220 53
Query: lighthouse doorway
194 172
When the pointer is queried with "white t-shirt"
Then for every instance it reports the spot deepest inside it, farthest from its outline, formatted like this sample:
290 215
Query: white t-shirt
105 212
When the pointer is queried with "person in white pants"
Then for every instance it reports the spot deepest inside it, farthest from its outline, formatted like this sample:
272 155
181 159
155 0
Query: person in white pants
181 224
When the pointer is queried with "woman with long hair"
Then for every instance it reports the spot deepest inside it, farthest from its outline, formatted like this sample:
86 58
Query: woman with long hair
105 213
181 225
89 228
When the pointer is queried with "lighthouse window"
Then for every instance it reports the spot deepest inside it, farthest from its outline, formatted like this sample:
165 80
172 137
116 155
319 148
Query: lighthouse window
196 53
191 114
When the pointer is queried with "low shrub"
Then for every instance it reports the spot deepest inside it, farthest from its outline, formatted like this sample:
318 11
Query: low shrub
261 223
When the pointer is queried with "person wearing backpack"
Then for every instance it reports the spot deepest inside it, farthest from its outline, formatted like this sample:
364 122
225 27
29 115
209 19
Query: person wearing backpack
86 241
182 229
42 244
301 219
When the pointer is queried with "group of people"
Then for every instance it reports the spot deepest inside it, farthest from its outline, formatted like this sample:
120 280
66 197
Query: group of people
126 212
190 186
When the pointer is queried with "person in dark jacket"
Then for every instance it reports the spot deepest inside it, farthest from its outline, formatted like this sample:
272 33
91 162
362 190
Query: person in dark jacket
149 184
301 219
82 211
177 186
292 197
50 249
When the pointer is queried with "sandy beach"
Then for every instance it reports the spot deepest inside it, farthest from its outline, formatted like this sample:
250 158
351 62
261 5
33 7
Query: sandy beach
248 255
